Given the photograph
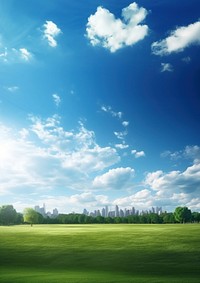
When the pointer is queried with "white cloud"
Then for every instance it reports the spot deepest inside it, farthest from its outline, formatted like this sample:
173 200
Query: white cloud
117 179
166 67
138 154
91 159
125 123
12 88
189 152
187 181
45 157
142 199
108 109
25 54
56 99
176 188
4 55
113 34
121 145
186 59
192 152
121 135
13 55
178 40
51 31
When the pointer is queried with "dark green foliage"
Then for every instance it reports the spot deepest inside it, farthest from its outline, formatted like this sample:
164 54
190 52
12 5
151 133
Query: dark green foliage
8 215
182 214
196 217
168 217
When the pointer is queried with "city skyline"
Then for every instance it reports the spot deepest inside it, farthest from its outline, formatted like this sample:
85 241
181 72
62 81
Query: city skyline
120 212
99 104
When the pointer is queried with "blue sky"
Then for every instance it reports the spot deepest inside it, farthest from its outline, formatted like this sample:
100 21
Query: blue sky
99 104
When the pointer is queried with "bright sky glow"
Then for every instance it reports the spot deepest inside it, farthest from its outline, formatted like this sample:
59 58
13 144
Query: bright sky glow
99 104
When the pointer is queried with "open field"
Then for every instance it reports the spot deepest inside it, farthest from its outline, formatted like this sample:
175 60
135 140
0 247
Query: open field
100 253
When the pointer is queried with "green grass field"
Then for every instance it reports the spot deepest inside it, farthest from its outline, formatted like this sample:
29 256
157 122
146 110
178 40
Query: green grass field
100 253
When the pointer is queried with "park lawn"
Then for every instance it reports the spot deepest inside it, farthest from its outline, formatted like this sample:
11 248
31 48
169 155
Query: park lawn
100 253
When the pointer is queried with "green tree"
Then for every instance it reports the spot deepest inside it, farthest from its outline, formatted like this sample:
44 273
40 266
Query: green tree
196 217
168 217
31 216
8 215
182 214
19 218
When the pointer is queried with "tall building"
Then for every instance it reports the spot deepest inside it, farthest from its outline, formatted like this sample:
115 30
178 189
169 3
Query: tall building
133 211
103 212
106 210
85 211
40 210
55 212
116 211
121 213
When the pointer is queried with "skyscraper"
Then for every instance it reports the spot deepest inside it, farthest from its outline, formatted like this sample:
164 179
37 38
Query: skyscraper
116 211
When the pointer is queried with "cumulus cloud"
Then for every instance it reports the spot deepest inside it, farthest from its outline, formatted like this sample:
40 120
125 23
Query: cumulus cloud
45 156
187 181
57 99
105 30
166 67
51 31
176 188
117 179
138 154
142 199
178 40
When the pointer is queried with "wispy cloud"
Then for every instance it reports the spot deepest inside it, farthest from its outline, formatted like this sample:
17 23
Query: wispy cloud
45 156
105 30
178 40
166 67
121 135
12 88
108 109
186 59
13 55
25 54
4 54
189 152
51 31
57 99
121 145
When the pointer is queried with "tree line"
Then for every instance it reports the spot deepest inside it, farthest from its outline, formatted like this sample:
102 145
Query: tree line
9 216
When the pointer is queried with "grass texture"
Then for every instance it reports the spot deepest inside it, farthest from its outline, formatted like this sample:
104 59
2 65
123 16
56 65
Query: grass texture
100 253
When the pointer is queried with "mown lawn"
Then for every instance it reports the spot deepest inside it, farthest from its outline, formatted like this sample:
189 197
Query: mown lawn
100 253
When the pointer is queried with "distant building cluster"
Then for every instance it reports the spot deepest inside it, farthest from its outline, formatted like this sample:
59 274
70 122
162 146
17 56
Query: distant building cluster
118 212
42 211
